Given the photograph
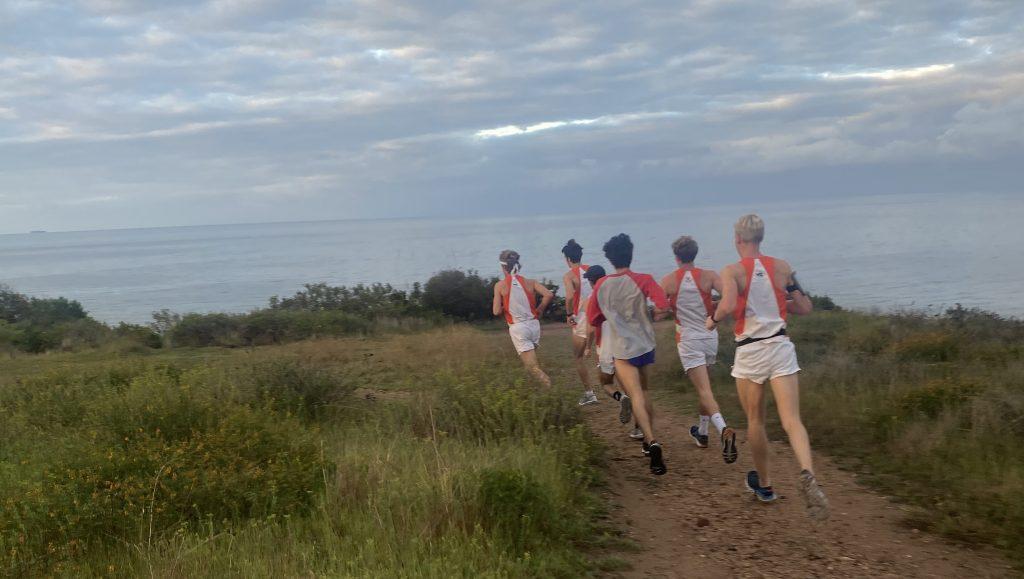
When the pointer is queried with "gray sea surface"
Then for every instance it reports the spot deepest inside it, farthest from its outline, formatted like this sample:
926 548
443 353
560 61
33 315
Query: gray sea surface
876 253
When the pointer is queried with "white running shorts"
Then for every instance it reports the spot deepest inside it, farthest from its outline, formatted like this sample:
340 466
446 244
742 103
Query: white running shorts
525 335
605 362
694 353
764 360
579 330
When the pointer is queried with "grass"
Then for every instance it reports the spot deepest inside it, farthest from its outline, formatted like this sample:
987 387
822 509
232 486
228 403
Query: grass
354 457
389 456
929 410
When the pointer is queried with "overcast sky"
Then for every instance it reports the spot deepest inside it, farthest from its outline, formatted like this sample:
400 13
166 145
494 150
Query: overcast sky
120 113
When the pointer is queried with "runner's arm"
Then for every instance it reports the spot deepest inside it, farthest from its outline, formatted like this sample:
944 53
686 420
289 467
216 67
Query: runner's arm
653 291
497 307
670 292
595 317
797 301
570 294
728 301
716 282
545 296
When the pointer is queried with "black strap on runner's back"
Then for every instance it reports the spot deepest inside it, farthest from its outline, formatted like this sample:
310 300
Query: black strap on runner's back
746 341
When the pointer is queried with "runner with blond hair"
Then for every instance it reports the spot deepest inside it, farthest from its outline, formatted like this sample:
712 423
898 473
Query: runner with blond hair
689 290
515 296
759 291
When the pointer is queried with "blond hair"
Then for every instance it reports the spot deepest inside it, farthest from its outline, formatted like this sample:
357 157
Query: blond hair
750 228
685 248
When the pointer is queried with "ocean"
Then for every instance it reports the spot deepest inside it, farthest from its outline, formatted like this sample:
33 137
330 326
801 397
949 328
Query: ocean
871 253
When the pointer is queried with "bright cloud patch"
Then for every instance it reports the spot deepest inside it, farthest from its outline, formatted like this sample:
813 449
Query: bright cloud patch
891 73
607 120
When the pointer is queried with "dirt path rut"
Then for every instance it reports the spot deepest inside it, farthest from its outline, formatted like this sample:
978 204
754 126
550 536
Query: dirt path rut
699 521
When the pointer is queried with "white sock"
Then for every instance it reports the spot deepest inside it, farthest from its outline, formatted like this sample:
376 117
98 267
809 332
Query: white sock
703 428
589 393
718 421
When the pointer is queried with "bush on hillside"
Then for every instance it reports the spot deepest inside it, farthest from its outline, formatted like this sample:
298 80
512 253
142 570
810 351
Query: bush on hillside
468 297
460 295
368 301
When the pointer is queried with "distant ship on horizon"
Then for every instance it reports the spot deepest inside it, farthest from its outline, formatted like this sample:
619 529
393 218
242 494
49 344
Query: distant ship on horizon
37 231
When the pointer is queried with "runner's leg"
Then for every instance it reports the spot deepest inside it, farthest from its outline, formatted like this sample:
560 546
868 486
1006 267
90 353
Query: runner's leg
629 377
644 379
579 346
787 399
529 359
752 398
702 383
608 384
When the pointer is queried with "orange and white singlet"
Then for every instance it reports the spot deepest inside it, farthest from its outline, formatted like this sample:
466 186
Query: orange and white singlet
582 295
761 306
520 303
692 306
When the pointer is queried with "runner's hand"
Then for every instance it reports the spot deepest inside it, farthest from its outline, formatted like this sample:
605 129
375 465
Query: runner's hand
586 352
710 323
571 320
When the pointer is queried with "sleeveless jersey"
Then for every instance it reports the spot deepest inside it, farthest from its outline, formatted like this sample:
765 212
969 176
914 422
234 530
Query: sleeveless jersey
761 306
520 303
583 289
692 305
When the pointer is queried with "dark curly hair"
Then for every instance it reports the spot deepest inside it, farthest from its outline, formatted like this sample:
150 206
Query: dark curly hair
573 251
619 250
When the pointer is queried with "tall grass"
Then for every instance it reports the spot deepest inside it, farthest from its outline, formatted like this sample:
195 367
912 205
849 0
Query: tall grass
295 460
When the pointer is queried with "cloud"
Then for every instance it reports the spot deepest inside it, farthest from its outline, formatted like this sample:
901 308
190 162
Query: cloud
891 73
374 109
607 120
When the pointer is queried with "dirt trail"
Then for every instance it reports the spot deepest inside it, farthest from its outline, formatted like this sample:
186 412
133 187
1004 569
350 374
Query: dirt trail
699 520
744 538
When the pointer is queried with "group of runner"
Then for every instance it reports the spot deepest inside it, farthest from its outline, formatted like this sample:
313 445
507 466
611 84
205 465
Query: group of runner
609 313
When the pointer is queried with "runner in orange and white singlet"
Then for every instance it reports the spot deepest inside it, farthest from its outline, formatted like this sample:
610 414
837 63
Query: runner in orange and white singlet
689 289
516 297
577 294
759 291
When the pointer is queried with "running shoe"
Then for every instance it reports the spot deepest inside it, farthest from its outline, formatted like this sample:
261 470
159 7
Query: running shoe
700 439
625 409
657 463
636 433
729 452
814 497
645 449
588 398
763 494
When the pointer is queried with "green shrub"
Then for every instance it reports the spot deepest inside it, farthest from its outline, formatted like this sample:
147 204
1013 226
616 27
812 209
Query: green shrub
489 406
932 346
137 456
367 301
298 388
936 396
198 330
514 504
138 334
461 295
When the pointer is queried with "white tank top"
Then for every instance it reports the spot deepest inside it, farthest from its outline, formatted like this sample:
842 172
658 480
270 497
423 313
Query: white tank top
761 308
583 291
693 306
518 303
